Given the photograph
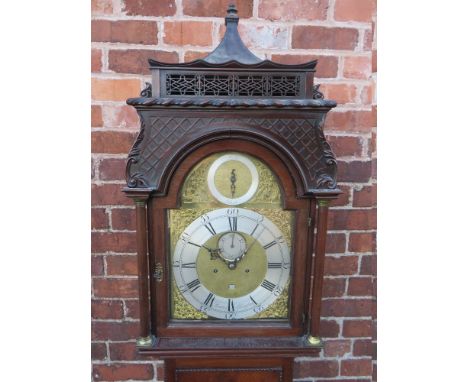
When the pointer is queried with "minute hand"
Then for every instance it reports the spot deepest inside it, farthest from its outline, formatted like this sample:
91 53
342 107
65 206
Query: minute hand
254 241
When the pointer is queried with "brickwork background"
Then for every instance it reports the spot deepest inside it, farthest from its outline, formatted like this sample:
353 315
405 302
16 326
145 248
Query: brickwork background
341 35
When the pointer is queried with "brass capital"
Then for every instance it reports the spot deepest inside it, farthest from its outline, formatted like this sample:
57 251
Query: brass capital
314 341
323 202
145 341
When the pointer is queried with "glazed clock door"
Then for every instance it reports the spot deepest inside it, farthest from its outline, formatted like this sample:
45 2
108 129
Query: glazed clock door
230 242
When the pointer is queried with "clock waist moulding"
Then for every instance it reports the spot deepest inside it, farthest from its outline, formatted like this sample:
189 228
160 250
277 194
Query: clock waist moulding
232 178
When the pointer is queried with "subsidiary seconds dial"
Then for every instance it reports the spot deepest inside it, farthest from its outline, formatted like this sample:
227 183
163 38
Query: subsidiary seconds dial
231 263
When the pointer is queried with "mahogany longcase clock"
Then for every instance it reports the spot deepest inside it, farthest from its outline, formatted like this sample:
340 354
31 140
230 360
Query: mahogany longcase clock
232 176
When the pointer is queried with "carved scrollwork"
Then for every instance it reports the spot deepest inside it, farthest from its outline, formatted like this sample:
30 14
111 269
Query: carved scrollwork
147 91
135 178
316 94
325 178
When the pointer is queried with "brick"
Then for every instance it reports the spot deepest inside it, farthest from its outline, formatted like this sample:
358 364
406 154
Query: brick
365 348
357 67
336 243
374 372
334 287
112 168
336 348
374 61
96 60
341 93
122 265
104 287
106 309
327 66
98 351
357 328
293 9
136 60
315 37
264 36
216 8
124 371
149 7
103 7
123 351
113 89
124 218
99 218
361 286
368 39
367 94
329 328
109 194
126 31
355 171
365 197
345 146
361 242
354 10
356 367
343 265
188 33
368 265
347 308
97 266
373 144
112 142
114 331
113 242
93 169
343 198
352 219
160 372
96 116
132 309
192 55
120 116
353 121
315 368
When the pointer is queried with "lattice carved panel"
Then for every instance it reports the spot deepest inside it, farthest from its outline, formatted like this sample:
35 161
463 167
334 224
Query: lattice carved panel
164 138
232 85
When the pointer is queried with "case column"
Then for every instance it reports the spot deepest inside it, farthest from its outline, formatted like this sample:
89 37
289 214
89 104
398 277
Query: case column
145 339
318 268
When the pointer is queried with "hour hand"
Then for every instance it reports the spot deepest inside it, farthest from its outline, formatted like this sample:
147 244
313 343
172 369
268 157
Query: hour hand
214 252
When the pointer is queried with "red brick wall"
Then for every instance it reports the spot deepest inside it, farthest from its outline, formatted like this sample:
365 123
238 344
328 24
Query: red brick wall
340 33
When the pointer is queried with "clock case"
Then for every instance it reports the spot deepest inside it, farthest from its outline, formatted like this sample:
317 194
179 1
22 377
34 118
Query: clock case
231 101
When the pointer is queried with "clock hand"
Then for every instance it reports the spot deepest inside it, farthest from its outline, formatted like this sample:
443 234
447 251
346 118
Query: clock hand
252 243
214 253
233 182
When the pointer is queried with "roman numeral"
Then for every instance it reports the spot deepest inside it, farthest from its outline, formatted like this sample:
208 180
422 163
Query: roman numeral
268 285
209 300
270 244
230 305
189 265
193 285
210 228
274 265
233 223
255 302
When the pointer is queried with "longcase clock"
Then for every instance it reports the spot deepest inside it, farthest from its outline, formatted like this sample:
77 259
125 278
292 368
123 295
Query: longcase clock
232 177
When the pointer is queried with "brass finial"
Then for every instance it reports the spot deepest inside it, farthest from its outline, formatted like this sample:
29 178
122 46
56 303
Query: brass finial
231 14
232 10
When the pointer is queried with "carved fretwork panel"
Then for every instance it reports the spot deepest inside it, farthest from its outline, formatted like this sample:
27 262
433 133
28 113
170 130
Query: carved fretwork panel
164 139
